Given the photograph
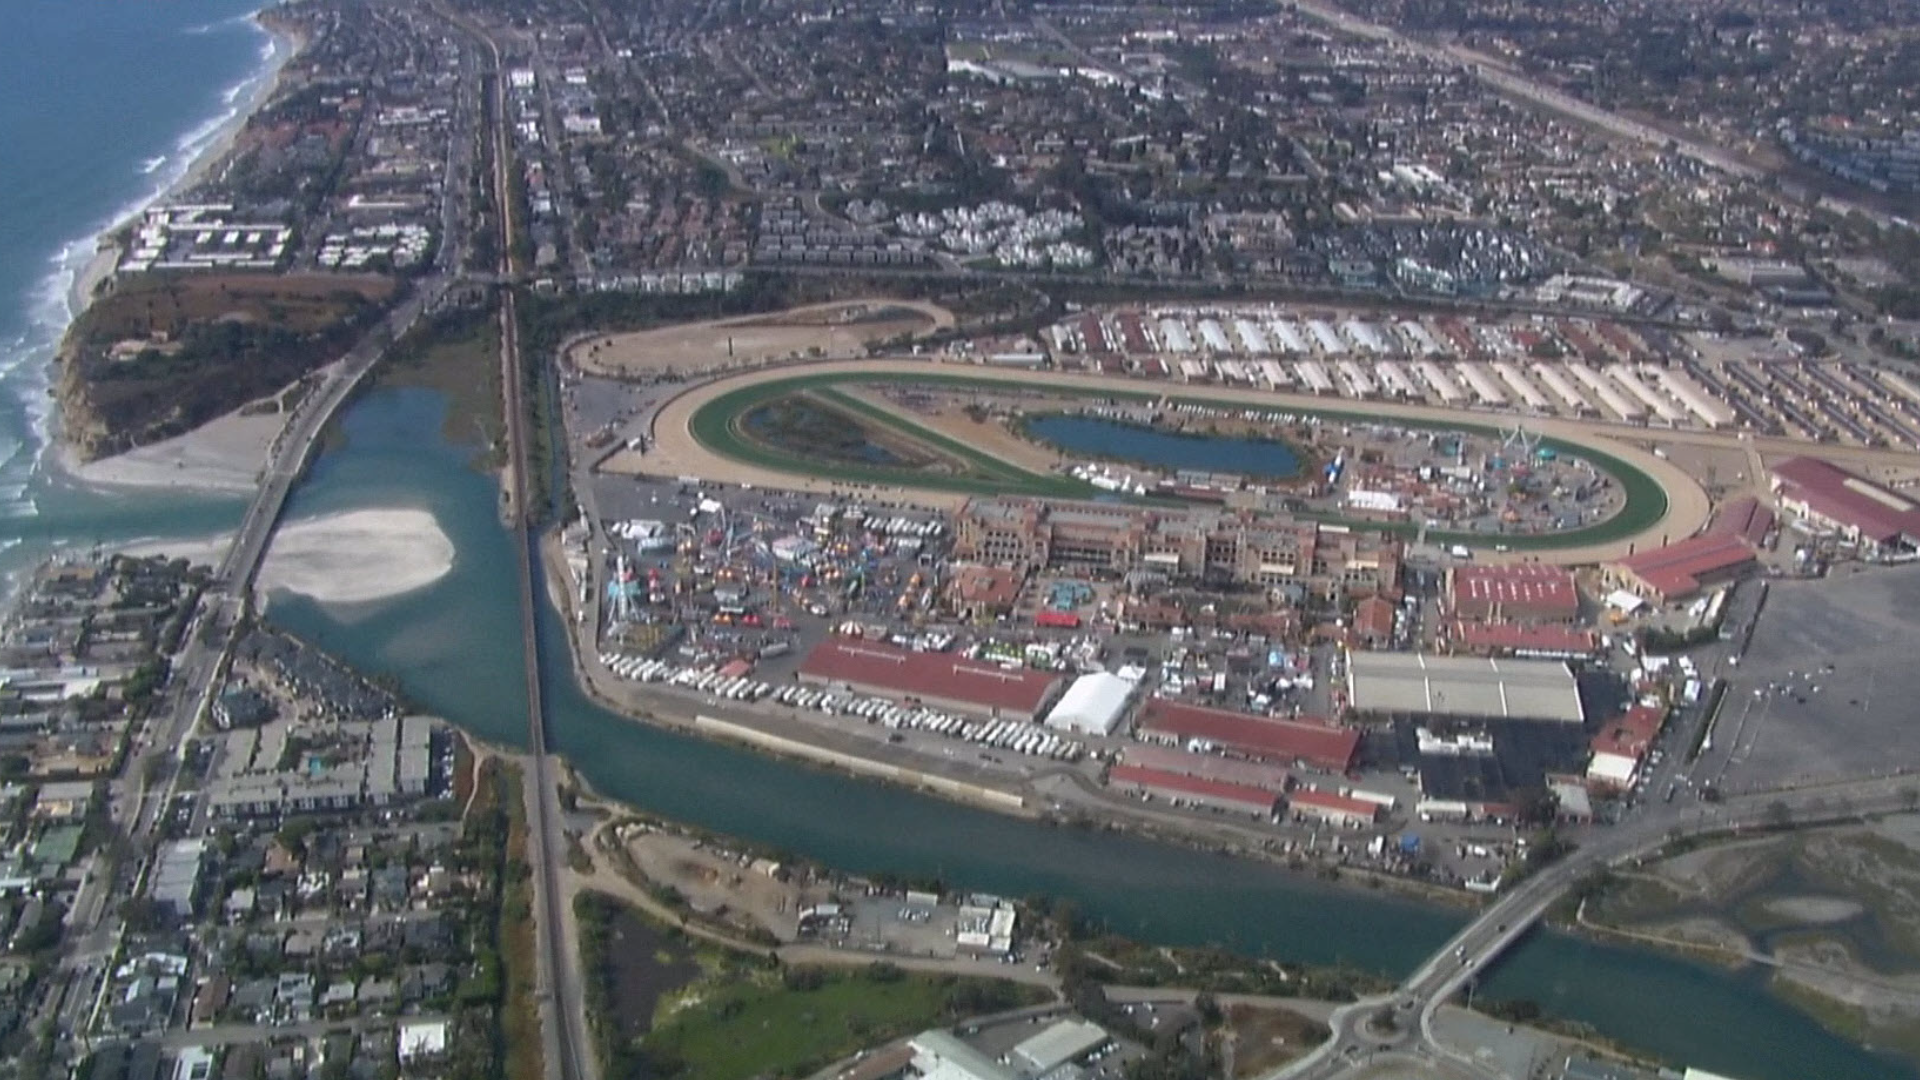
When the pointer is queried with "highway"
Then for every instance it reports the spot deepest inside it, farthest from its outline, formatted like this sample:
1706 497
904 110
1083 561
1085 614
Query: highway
1400 1025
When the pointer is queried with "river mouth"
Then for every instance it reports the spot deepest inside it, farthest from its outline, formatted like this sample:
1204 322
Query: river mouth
1253 456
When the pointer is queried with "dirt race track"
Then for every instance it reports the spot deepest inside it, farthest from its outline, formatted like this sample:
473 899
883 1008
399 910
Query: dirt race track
675 451
839 329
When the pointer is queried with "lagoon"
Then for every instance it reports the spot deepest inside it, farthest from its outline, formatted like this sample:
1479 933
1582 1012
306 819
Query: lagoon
1139 444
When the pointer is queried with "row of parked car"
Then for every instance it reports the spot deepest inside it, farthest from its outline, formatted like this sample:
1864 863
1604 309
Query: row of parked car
1010 735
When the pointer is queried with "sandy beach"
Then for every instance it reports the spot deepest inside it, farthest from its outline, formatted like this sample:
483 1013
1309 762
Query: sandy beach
353 557
224 456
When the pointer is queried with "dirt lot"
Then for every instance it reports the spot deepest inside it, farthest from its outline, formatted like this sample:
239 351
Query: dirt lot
1265 1039
822 330
714 883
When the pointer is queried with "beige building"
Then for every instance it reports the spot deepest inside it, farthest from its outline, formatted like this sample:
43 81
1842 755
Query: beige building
1240 546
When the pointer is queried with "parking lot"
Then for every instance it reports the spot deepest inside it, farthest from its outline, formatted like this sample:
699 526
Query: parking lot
1826 688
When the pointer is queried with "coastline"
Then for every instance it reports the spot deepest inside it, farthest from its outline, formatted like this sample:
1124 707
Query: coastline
220 465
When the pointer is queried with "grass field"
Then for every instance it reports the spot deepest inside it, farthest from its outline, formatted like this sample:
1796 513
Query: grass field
770 1027
714 426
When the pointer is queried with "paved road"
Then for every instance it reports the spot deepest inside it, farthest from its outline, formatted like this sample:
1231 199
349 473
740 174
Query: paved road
1402 1023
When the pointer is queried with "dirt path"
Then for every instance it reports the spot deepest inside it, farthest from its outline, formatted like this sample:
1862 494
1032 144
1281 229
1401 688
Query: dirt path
838 329
677 453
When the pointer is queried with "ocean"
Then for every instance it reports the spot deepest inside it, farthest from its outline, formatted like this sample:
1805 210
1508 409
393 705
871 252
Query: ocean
102 108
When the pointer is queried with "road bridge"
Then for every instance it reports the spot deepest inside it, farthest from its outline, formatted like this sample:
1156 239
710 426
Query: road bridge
1400 1025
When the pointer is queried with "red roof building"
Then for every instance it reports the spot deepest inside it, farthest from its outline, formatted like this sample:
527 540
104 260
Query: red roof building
1217 794
1332 808
1254 774
1746 517
1507 639
943 680
1521 592
1858 508
1678 571
1314 742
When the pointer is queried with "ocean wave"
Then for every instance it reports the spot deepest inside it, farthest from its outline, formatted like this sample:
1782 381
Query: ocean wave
25 368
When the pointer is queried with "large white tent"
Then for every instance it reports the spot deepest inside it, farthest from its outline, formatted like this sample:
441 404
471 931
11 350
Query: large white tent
1093 705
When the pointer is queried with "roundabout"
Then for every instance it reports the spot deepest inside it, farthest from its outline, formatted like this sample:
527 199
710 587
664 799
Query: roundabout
702 433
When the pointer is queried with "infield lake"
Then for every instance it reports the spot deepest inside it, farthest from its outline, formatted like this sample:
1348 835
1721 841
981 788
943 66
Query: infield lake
1138 444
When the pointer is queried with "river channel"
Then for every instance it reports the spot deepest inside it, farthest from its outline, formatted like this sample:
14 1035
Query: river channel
455 647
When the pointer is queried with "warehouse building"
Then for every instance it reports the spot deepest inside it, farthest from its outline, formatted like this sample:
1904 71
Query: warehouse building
1253 774
1527 642
1414 684
1093 705
1311 742
1193 790
1880 520
1312 804
1521 592
939 680
1062 1043
1681 571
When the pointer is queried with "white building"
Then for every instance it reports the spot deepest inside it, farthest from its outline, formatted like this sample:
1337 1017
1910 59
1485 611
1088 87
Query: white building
1093 705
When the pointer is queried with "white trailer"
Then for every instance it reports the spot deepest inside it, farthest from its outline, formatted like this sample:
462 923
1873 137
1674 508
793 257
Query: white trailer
1356 378
1647 395
1366 336
1441 382
1485 390
1275 374
1213 336
1193 370
1326 338
1420 341
1314 376
1711 410
1610 399
1557 384
1174 336
1287 334
1511 375
1394 379
1253 340
1234 371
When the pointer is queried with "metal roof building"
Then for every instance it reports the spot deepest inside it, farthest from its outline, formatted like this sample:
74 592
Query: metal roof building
1415 683
941 680
1093 705
1068 1040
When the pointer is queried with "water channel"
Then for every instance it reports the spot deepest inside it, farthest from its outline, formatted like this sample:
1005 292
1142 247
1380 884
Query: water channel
455 647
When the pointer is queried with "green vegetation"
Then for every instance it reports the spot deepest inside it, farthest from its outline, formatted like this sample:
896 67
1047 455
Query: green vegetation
794 1022
716 426
456 353
664 1005
163 354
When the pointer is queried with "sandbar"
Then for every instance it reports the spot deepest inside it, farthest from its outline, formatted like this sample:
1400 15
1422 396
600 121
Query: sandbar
352 557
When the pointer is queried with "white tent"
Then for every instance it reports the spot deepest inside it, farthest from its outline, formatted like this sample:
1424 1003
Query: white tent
1093 705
